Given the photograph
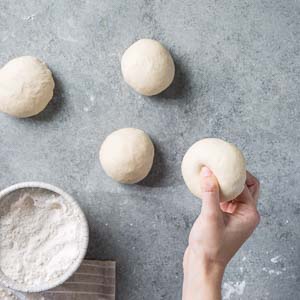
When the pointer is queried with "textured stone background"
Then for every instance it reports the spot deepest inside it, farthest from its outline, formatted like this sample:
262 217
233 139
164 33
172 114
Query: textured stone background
237 78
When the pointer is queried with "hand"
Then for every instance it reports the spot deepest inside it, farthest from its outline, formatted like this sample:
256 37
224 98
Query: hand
216 236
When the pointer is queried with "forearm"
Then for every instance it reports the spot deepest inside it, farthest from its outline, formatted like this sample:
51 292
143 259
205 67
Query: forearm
202 280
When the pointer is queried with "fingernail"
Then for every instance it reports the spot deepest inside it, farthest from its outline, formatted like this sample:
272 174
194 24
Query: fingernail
206 172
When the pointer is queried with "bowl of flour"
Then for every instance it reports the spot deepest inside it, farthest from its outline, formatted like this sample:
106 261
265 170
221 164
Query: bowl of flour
43 236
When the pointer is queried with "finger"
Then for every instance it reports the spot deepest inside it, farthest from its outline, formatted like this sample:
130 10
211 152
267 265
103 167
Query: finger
210 194
211 216
246 197
251 180
228 206
253 185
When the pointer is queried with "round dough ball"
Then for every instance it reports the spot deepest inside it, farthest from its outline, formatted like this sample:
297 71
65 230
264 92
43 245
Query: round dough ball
26 87
148 67
126 155
224 159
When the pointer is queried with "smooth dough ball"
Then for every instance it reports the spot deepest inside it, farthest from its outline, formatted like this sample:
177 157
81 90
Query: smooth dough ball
225 160
126 155
26 87
148 67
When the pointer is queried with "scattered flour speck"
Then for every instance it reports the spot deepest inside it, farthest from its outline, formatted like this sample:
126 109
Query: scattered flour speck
271 271
29 18
230 288
275 259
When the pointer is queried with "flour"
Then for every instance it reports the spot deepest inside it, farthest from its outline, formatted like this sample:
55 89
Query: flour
231 288
7 295
38 236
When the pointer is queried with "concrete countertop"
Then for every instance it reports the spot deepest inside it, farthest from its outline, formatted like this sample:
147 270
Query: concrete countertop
237 78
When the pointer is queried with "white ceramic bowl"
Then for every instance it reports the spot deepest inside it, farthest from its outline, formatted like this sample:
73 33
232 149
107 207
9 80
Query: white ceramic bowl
83 235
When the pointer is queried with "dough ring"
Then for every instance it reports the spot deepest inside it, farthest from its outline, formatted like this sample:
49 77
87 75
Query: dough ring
225 160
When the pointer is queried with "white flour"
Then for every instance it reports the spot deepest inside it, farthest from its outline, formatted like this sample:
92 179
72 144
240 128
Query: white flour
38 236
7 295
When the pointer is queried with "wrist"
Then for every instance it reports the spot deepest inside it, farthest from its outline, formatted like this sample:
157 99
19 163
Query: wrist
202 277
205 275
202 265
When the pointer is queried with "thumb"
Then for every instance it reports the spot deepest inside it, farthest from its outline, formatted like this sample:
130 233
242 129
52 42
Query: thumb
210 193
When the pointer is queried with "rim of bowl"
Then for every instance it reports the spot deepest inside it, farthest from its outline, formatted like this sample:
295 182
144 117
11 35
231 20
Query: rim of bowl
10 283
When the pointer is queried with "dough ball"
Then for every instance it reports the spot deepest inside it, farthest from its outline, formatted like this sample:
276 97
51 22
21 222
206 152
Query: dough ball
126 155
224 159
148 67
26 87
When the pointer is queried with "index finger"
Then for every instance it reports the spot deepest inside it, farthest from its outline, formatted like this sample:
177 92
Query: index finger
253 185
246 197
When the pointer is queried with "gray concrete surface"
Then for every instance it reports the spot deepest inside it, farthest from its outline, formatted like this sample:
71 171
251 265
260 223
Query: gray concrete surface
237 78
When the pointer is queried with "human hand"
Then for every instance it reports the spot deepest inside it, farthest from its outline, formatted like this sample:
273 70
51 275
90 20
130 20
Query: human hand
216 236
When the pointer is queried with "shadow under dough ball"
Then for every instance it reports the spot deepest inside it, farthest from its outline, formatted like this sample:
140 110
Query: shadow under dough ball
126 155
26 87
148 67
225 160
